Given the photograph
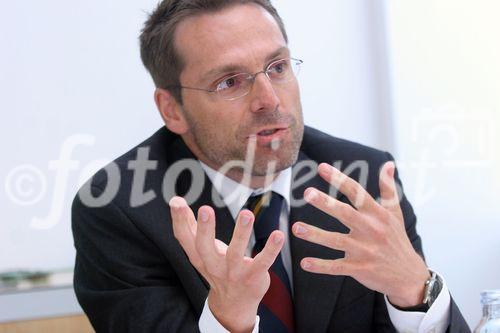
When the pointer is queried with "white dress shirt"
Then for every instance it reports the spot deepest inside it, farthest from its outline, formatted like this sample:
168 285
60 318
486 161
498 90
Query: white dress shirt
235 195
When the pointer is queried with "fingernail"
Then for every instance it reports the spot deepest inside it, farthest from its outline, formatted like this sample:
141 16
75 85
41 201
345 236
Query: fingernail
245 220
175 203
204 216
325 168
310 195
306 264
390 170
277 239
300 230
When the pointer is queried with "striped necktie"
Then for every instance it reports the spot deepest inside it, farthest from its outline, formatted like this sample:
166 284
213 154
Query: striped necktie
276 308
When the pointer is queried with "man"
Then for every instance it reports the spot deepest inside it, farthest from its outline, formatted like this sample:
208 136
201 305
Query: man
329 261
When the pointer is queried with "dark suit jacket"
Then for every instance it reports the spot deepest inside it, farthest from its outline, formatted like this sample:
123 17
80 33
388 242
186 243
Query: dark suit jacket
131 274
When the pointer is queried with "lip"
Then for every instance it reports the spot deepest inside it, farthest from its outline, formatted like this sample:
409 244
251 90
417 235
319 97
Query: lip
277 128
265 140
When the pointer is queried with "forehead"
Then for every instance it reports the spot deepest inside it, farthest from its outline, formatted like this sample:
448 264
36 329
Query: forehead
240 34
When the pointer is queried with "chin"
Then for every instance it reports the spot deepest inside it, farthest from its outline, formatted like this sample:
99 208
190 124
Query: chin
274 164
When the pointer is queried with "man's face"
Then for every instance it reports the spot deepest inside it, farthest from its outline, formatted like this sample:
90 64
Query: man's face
246 38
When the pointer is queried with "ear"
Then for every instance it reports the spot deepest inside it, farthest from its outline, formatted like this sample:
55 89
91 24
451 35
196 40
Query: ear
170 111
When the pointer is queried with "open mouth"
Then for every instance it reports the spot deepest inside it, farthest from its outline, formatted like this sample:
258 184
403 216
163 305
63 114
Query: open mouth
268 132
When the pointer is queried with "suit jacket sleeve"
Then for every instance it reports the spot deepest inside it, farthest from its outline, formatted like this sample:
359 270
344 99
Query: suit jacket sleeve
121 278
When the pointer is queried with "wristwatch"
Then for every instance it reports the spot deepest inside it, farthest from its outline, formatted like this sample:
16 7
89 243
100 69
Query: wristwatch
433 287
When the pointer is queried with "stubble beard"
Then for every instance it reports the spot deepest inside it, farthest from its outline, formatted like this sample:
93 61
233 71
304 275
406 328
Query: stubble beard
219 150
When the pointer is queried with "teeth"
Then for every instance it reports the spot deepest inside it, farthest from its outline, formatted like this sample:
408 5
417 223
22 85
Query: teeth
267 132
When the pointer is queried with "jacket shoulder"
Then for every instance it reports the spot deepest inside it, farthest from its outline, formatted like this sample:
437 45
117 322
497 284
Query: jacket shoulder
323 147
157 148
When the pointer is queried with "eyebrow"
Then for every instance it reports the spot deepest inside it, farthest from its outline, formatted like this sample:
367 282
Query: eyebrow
235 67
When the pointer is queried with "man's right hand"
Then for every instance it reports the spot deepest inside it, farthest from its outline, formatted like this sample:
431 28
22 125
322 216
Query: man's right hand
237 283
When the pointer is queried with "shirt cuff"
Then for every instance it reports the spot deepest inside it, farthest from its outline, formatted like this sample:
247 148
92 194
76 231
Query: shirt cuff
436 319
208 323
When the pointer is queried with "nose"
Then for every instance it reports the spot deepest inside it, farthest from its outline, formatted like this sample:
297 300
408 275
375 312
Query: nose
263 95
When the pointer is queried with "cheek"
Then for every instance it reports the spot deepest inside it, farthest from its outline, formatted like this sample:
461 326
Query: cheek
290 95
200 113
228 126
295 91
220 121
231 115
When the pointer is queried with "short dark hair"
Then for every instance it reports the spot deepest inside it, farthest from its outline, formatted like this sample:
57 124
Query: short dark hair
158 52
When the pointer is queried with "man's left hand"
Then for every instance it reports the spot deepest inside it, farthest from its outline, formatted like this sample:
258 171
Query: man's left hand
378 253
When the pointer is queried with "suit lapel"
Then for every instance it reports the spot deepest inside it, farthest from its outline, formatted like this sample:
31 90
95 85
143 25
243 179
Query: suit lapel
315 295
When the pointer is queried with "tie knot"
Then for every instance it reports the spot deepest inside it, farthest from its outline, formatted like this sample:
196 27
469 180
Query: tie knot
267 210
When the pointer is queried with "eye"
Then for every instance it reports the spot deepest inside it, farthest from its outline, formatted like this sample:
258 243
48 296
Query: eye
231 82
279 67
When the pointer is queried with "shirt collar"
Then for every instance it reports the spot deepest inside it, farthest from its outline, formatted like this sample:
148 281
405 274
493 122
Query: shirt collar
235 195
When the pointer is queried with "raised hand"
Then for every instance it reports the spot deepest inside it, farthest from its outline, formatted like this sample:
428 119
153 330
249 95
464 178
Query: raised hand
237 283
378 253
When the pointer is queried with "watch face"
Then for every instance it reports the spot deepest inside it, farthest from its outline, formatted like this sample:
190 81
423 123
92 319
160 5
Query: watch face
436 289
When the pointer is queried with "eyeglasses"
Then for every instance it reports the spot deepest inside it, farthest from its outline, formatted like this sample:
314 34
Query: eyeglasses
238 85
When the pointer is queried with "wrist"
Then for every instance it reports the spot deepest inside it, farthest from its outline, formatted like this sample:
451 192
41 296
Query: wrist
411 296
236 318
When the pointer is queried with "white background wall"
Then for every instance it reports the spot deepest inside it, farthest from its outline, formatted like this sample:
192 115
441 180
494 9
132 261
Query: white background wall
67 67
73 67
445 62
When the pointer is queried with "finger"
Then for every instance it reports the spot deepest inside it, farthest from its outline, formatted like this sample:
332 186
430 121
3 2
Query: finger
265 258
333 240
239 242
333 207
183 222
356 194
389 197
205 239
184 218
326 266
